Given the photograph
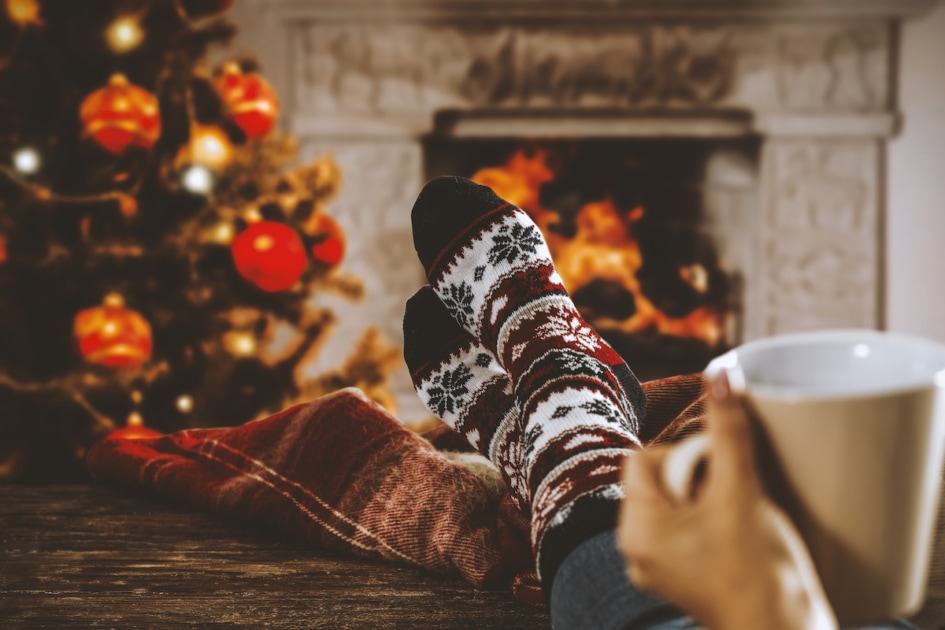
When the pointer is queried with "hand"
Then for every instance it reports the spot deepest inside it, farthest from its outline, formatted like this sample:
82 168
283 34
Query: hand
728 556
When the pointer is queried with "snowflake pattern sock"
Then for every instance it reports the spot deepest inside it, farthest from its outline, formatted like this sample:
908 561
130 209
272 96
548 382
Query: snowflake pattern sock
490 266
462 383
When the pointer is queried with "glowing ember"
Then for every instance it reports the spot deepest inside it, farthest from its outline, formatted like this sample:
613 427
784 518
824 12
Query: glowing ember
695 276
603 248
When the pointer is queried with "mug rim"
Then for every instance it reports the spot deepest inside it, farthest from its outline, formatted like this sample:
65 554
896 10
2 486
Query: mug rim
729 362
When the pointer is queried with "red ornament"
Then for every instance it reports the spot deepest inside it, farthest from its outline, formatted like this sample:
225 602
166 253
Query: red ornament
270 255
113 335
120 115
134 430
250 100
330 242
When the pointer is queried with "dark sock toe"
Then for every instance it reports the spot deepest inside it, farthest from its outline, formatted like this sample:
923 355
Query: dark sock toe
444 209
430 332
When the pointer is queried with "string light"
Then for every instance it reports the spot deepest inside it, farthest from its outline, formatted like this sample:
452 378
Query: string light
124 34
209 147
185 403
24 12
26 160
135 419
240 344
223 233
198 179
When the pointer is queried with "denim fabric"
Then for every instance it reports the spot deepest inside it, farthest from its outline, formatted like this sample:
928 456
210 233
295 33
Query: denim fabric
591 591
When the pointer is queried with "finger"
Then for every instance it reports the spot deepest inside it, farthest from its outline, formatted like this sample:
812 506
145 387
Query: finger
643 474
643 498
730 432
638 575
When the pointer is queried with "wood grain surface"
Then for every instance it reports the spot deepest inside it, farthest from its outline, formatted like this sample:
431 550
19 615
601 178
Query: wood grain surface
98 557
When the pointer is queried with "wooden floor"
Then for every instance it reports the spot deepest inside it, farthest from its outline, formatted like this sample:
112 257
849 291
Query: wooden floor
89 557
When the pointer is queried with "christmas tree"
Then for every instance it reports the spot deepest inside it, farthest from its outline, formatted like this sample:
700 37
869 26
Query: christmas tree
157 255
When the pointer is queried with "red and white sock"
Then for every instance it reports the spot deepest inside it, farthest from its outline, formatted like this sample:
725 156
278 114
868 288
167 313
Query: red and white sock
462 383
579 403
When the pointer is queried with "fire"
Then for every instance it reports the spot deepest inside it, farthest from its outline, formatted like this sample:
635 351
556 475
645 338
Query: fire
519 180
603 248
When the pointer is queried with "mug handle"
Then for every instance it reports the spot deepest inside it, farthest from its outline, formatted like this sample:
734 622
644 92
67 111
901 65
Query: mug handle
684 466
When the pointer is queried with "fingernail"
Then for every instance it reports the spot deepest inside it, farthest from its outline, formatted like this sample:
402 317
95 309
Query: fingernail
721 389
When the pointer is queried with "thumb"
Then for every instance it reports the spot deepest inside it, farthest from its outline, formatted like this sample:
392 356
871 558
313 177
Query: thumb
731 445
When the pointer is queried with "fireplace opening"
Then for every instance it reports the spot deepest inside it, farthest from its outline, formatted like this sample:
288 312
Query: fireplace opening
647 234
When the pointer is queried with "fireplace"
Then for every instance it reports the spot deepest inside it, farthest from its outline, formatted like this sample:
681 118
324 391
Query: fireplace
628 225
774 117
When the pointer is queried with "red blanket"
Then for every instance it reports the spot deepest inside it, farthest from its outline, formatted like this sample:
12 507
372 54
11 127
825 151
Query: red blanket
341 473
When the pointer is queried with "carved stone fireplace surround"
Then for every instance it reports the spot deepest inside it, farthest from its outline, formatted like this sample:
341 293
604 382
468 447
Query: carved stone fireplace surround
815 80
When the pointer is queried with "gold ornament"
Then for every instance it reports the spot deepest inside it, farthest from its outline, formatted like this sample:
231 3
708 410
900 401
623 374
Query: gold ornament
120 115
113 335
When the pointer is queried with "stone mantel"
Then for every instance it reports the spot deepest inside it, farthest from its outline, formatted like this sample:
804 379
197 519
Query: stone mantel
357 78
814 80
530 10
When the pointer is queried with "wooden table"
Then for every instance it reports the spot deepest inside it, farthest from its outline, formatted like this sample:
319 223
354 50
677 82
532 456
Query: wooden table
93 556
90 556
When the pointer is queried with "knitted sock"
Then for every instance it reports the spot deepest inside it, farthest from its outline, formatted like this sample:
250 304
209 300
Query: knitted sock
461 383
491 268
446 217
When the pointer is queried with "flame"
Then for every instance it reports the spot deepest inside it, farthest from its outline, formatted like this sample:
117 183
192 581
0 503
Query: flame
603 248
519 180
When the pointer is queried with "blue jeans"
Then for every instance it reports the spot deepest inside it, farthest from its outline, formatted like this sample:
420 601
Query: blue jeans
591 590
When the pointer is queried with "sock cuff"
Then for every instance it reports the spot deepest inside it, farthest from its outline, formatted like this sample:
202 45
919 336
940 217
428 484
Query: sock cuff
589 515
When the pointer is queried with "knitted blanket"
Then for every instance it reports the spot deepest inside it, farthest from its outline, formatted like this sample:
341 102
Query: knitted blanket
342 474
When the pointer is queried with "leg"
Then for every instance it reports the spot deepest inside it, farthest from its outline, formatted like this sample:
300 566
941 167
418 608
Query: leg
579 402
592 591
459 381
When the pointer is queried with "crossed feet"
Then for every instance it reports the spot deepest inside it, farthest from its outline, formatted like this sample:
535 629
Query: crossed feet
497 349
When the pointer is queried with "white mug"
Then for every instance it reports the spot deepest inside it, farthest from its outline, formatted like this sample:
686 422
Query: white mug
853 423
